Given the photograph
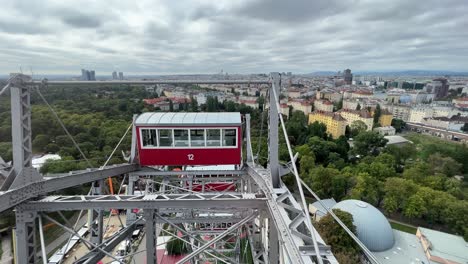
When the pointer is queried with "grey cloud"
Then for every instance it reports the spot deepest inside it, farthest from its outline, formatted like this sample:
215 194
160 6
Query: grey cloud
80 20
20 27
251 36
294 11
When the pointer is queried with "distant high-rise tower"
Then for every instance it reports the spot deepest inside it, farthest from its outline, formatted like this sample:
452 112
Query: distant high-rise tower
114 75
84 75
87 75
92 75
348 76
439 87
121 76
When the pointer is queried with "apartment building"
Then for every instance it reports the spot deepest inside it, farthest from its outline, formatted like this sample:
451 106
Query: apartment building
355 115
336 125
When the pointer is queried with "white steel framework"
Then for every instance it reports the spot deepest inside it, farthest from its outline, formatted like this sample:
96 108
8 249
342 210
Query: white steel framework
275 225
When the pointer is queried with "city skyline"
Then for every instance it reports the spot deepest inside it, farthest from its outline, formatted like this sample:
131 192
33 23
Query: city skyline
239 37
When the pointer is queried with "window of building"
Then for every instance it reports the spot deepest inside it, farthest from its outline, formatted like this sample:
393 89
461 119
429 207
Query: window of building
229 137
149 137
213 137
181 138
197 137
165 137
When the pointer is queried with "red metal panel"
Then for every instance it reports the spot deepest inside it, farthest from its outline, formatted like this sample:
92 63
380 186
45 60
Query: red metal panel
190 156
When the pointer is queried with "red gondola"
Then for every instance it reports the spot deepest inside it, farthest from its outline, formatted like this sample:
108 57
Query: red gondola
179 139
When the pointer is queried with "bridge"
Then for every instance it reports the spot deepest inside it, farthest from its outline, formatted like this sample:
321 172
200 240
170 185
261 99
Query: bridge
438 132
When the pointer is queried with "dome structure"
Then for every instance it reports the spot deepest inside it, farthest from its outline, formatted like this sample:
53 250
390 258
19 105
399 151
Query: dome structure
372 228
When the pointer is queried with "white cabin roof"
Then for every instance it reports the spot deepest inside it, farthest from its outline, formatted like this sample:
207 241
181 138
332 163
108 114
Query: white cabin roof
188 119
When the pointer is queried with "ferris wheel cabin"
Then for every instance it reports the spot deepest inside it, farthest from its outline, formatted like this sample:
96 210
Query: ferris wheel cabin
178 139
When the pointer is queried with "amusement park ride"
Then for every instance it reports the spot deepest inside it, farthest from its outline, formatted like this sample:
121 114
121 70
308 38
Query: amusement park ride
249 200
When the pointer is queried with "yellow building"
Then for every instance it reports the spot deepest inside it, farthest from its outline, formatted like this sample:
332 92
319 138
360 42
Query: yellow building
336 125
385 118
354 115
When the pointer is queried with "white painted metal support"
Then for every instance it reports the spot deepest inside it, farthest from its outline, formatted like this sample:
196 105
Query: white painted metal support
16 196
25 237
131 215
273 242
22 172
41 236
273 142
249 143
95 216
151 236
133 150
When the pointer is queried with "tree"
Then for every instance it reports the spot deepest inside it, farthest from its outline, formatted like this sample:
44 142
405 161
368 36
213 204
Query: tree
398 124
176 246
342 147
455 216
417 172
367 188
445 165
454 187
317 129
377 114
338 105
171 106
260 102
357 127
296 128
321 149
358 107
193 104
335 236
307 163
6 151
397 191
368 143
401 153
320 180
40 142
464 128
415 207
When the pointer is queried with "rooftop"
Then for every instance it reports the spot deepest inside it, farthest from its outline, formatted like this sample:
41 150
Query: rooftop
319 209
372 227
396 140
447 246
407 249
187 119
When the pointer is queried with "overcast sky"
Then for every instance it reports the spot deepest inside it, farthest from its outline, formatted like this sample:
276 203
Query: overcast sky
175 36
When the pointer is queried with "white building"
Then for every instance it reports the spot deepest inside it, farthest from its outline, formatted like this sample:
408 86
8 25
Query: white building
323 105
385 131
417 114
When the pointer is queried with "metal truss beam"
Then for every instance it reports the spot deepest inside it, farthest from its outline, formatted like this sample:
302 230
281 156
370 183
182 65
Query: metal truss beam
110 243
218 238
88 242
153 201
25 237
16 196
288 218
273 143
160 82
145 171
